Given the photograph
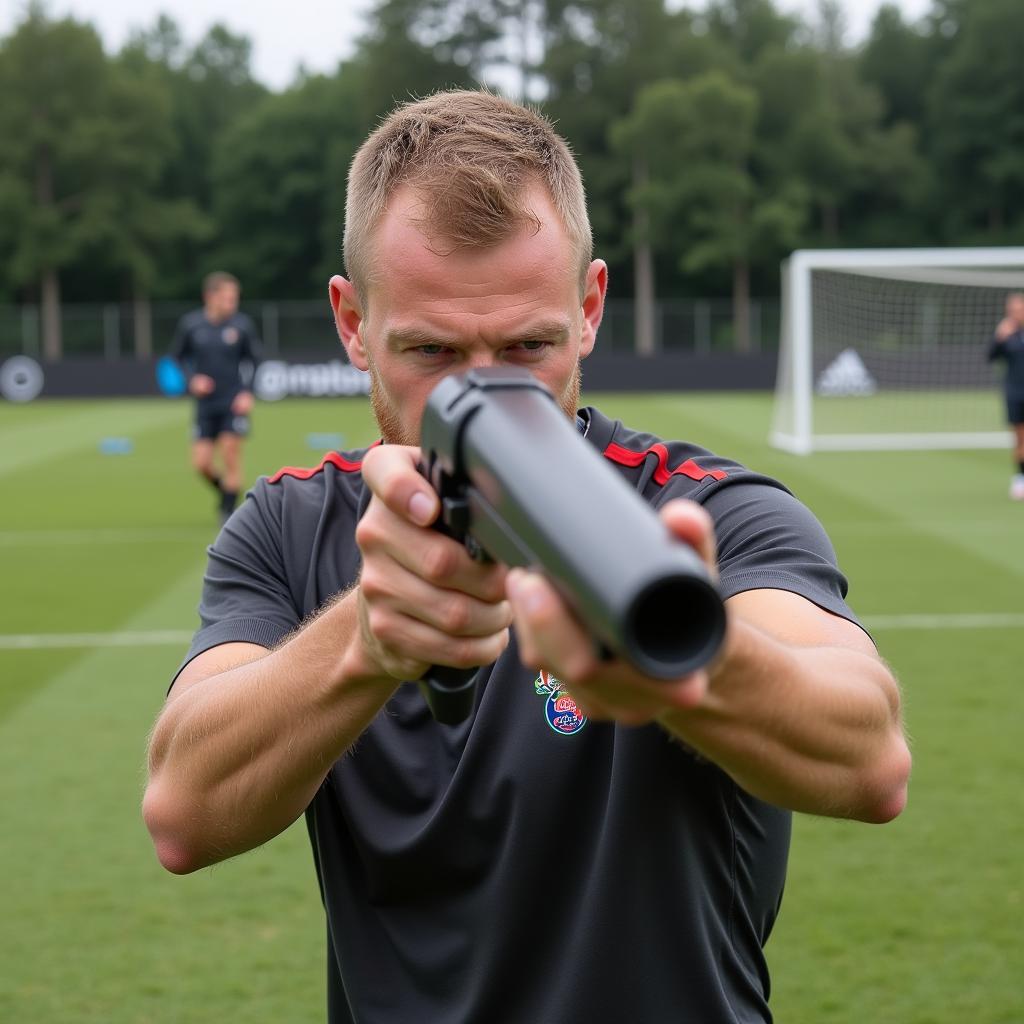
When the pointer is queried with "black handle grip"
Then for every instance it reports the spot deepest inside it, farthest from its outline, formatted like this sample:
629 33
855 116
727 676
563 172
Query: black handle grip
449 693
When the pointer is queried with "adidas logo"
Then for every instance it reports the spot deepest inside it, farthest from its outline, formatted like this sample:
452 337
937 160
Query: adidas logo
846 375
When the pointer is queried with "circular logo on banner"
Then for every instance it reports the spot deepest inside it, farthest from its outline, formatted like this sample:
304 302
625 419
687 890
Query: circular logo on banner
21 379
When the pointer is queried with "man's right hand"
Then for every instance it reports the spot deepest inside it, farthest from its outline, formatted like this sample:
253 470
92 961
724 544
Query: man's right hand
1006 328
201 385
422 599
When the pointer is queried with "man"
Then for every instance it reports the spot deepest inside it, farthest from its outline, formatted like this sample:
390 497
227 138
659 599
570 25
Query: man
212 345
624 866
1008 345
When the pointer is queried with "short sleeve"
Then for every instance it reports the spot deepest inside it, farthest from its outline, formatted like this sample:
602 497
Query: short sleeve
181 346
253 346
246 597
768 539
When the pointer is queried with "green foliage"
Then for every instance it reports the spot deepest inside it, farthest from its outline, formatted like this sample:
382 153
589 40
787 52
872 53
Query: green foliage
56 125
750 27
206 89
403 54
261 193
977 120
139 171
895 59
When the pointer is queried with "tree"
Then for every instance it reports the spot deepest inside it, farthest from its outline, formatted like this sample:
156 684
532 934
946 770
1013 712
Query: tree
750 27
598 55
897 59
276 205
399 57
696 140
976 121
142 219
82 144
210 87
822 127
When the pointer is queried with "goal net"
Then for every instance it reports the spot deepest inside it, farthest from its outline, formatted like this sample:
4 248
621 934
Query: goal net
887 348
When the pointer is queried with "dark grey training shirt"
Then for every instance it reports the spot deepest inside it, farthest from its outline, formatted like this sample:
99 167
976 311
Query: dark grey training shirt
223 351
530 866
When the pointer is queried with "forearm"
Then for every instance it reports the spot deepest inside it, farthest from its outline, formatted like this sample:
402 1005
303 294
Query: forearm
237 757
814 729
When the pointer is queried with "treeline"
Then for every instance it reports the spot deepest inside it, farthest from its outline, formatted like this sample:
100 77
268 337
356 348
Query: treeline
713 141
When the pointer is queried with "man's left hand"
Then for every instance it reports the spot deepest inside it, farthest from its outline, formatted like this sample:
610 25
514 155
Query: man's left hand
551 638
242 404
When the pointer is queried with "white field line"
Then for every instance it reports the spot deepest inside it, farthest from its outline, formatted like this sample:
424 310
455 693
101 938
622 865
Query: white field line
133 638
174 637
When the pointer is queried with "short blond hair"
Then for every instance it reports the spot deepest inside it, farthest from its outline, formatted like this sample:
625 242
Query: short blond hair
217 279
470 155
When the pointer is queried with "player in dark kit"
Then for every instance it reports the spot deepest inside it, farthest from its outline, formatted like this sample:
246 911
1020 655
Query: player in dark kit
590 844
213 345
1008 345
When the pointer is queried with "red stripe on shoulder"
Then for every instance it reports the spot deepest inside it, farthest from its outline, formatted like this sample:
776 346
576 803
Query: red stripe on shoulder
662 475
331 458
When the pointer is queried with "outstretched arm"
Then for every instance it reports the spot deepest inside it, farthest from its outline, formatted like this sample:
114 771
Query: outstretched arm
799 709
997 346
247 735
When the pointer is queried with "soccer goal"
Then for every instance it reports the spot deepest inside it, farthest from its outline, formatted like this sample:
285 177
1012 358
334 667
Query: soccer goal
887 348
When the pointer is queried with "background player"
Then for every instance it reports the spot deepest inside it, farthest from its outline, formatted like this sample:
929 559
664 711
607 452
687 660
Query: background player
212 345
1008 344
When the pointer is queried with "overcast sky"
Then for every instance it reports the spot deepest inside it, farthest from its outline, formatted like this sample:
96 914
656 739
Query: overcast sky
316 33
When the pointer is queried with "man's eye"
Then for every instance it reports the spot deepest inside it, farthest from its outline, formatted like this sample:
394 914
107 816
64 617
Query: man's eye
528 347
431 350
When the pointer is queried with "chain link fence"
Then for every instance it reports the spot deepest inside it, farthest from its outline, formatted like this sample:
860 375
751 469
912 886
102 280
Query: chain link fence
114 331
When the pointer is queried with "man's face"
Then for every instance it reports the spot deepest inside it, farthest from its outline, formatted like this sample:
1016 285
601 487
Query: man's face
431 312
222 301
1015 309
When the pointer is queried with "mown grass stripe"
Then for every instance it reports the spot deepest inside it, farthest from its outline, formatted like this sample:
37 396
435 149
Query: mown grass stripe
33 440
130 638
82 870
994 620
100 535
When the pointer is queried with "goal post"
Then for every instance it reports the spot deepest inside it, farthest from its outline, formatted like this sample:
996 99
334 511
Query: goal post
887 348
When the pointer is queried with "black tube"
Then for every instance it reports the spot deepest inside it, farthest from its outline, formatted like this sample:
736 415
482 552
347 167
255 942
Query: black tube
518 484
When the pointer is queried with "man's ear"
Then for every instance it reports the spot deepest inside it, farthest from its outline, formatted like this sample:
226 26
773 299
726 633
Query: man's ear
593 305
348 318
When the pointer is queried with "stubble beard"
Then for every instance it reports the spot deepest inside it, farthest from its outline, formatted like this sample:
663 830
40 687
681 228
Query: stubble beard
393 431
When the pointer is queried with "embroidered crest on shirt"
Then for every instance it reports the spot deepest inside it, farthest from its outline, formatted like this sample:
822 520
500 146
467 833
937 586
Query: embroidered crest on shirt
560 709
230 335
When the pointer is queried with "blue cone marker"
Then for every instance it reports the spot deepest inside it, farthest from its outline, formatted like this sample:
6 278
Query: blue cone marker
325 442
116 446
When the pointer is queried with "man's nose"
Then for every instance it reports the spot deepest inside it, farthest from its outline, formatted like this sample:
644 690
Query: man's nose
483 358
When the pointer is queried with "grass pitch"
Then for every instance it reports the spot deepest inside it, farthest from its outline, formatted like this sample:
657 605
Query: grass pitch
914 923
